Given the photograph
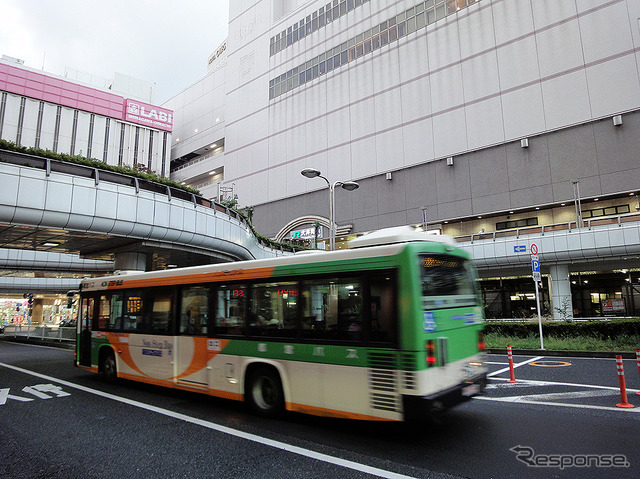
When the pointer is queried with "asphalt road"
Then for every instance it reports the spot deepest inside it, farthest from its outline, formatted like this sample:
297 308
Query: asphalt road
57 421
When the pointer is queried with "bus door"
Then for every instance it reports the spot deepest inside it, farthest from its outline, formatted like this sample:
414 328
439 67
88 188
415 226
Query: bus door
87 311
191 358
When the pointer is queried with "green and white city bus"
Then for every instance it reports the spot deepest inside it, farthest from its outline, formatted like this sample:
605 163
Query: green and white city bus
389 329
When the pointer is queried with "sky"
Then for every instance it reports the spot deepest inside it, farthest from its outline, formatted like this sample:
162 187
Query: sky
166 42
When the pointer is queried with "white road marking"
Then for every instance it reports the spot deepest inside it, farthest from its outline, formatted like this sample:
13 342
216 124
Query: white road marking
515 399
540 398
566 395
515 365
223 429
498 364
530 382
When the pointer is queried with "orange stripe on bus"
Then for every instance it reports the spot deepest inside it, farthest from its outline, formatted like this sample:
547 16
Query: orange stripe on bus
320 411
233 275
92 369
201 356
123 350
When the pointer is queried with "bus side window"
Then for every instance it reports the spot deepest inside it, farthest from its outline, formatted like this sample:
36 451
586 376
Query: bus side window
115 314
194 310
110 311
104 310
133 318
230 309
383 316
88 314
273 309
160 314
332 309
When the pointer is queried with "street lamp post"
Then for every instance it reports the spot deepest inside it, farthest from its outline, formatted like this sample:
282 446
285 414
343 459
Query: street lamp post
346 185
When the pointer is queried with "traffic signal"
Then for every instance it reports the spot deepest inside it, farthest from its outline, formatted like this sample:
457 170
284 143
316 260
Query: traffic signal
28 296
70 295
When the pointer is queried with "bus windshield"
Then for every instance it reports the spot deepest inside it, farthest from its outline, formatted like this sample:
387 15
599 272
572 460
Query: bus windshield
444 275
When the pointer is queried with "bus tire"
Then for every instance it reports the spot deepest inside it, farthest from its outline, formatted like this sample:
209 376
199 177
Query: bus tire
263 392
108 367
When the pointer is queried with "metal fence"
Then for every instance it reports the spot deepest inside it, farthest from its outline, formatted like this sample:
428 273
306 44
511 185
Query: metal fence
67 334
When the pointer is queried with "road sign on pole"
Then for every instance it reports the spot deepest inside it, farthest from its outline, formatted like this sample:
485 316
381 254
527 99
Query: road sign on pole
537 277
535 269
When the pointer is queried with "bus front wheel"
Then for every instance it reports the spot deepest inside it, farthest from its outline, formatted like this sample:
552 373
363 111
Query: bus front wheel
108 367
264 392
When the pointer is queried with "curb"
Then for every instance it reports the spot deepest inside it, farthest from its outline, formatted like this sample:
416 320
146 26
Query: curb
566 354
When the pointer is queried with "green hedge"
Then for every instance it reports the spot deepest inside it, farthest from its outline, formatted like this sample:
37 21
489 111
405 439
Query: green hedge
602 330
93 163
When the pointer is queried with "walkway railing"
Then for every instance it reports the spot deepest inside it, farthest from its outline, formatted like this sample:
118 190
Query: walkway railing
40 332
99 175
541 230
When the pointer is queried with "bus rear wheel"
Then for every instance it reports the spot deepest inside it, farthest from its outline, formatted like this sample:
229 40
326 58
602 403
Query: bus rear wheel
108 367
264 392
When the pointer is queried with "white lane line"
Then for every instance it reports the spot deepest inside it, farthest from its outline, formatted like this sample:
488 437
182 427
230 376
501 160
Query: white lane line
498 364
516 399
517 365
223 429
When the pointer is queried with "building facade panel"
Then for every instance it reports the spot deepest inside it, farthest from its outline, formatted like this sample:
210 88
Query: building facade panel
483 115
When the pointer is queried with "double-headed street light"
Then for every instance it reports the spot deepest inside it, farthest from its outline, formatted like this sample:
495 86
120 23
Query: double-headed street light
346 185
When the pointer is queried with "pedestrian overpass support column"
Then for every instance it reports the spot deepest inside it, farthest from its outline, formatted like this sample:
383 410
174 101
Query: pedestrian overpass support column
36 311
130 261
561 303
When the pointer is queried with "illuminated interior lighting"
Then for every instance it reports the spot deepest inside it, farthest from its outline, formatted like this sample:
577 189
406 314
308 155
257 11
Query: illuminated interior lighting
52 244
212 146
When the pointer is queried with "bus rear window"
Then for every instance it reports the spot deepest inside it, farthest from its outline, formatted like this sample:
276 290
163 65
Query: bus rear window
444 275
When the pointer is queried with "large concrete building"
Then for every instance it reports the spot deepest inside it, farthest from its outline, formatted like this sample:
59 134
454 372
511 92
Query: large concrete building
488 115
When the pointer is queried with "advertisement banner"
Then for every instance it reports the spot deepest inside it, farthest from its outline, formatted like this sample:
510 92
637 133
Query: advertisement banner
613 305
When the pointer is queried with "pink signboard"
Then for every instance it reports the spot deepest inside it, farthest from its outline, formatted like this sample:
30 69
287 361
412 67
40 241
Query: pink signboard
41 86
145 114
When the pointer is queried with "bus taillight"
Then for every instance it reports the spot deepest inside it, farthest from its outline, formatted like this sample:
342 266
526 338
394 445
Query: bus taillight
481 344
431 353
